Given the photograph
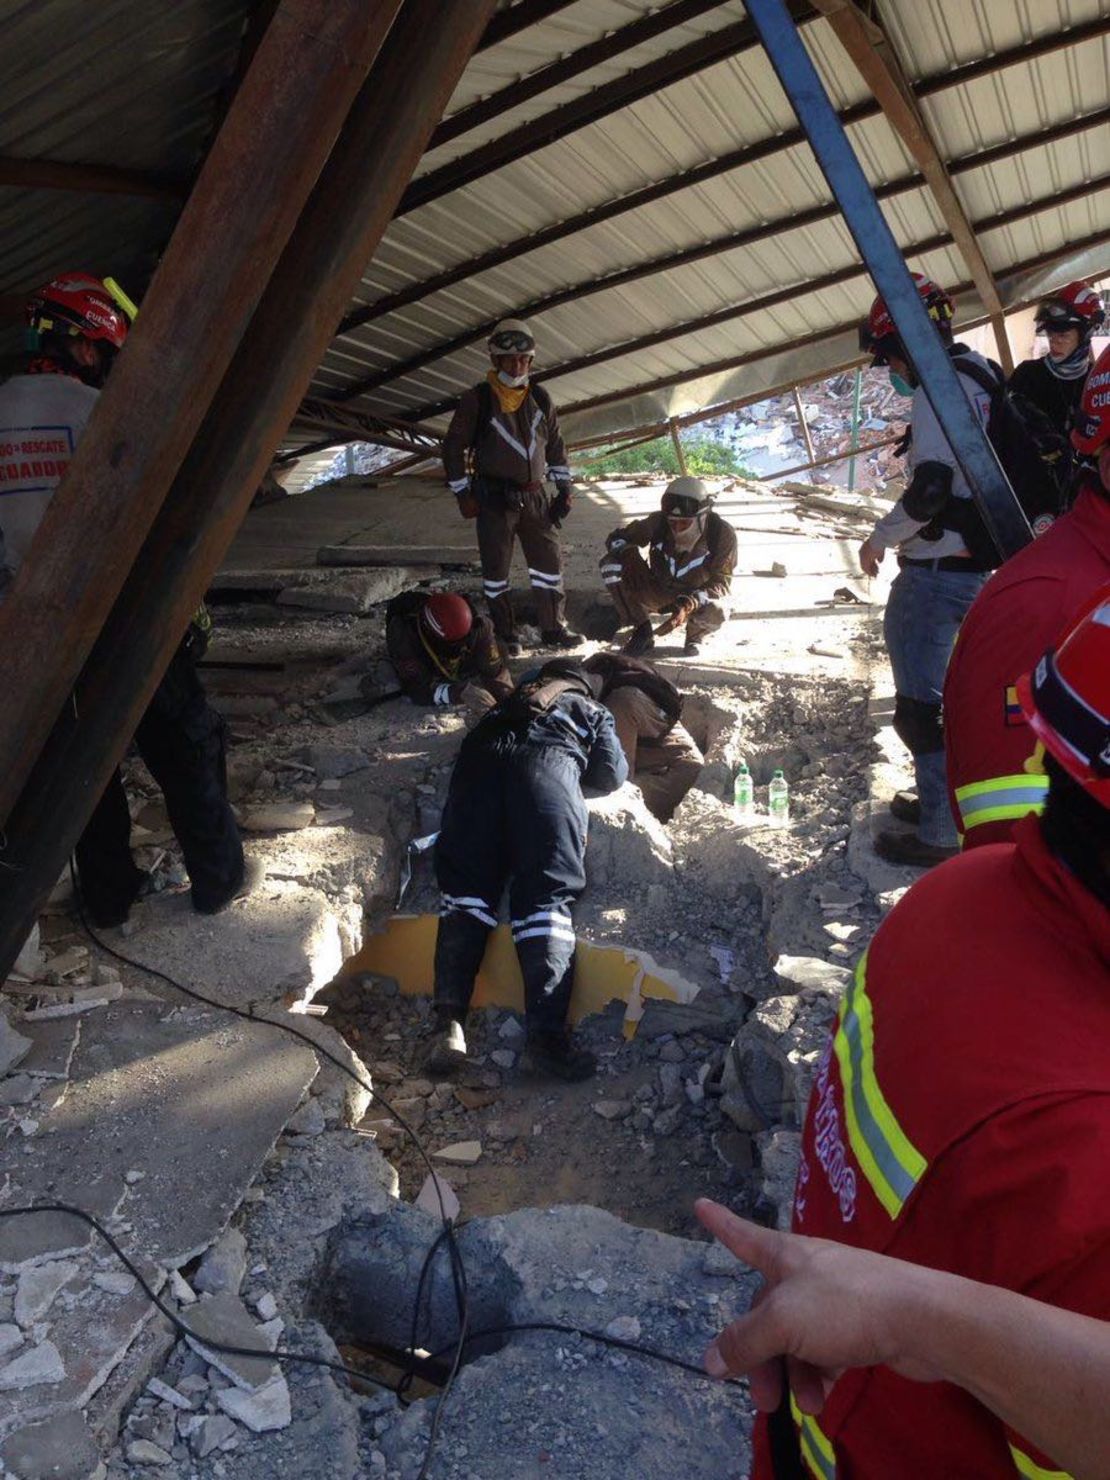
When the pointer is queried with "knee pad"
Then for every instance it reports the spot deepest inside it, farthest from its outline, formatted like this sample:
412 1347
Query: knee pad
917 724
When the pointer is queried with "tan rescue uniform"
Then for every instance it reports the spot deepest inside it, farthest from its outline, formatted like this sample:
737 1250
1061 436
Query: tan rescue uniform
663 762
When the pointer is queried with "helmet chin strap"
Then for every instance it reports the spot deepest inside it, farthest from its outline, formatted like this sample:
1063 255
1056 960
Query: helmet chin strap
513 382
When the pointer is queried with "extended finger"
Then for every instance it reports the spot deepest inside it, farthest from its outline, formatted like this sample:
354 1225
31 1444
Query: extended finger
748 1241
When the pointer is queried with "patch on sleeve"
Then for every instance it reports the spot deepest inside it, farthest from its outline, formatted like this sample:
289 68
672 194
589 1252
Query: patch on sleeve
1011 709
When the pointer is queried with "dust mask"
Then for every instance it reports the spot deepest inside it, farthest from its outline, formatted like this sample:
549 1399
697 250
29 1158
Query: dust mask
513 382
900 384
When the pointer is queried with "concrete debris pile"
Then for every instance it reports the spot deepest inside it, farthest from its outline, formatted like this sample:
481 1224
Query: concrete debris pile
767 437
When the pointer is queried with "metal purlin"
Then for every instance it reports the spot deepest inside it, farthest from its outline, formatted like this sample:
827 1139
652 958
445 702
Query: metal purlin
986 479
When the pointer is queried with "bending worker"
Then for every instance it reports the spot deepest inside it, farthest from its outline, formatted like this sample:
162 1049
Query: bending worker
78 325
503 442
960 1115
687 574
444 654
994 777
515 811
663 760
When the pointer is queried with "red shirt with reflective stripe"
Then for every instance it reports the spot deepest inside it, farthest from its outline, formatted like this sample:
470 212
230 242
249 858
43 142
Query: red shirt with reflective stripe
989 989
1019 613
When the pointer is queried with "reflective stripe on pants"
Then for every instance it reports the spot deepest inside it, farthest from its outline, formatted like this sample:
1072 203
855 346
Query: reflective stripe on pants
887 1157
817 1451
1000 799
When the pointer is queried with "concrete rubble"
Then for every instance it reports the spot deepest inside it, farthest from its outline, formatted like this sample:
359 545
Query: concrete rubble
263 1195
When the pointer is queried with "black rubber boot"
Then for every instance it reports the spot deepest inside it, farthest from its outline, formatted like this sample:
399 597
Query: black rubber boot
906 848
642 641
906 808
561 637
447 1050
555 1052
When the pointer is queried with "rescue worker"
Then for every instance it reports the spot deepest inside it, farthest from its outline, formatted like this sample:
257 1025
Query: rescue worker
515 811
687 574
444 653
937 581
663 760
77 326
993 775
960 1116
503 442
1068 319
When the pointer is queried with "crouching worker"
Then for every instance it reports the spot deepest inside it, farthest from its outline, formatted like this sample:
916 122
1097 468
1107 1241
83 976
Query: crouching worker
515 811
444 653
687 574
663 759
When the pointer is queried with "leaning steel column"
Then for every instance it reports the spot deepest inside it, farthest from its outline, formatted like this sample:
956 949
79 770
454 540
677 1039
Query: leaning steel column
371 163
245 204
989 485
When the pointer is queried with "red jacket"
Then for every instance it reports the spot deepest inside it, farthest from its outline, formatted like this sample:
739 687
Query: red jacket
961 1120
1019 613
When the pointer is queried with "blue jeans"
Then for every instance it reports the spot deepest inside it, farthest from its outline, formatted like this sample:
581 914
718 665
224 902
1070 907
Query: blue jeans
922 618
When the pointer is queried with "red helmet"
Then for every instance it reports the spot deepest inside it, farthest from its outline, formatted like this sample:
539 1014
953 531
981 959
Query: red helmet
446 619
1092 428
1066 699
76 303
878 335
1075 306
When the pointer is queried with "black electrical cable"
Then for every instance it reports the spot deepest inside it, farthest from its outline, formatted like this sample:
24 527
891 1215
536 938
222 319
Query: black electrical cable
268 1354
446 1237
458 1269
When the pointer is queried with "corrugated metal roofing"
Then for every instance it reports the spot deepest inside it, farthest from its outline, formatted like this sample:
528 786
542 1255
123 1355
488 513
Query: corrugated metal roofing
140 88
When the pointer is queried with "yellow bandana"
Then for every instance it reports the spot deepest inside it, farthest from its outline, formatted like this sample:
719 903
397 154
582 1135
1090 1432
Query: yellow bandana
510 397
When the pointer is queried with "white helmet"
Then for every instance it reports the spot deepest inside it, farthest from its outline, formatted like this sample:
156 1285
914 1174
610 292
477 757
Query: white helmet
511 337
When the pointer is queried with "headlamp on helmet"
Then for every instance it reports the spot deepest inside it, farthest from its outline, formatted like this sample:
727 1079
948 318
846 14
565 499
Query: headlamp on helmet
78 304
878 334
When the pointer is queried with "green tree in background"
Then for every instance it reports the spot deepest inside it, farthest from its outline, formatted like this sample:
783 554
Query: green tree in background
704 459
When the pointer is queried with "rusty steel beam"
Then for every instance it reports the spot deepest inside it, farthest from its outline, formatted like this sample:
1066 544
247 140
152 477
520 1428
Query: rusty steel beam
784 295
598 103
737 158
337 232
875 58
572 65
306 72
822 336
91 179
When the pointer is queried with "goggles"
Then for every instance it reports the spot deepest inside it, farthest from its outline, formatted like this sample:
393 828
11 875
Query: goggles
512 342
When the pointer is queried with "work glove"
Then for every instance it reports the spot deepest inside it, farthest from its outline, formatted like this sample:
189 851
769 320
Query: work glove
559 507
681 612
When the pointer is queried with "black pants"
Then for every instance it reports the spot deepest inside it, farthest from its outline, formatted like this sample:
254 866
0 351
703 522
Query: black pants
182 740
515 813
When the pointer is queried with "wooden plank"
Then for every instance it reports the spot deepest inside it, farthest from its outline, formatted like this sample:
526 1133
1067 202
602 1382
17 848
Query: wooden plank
338 231
93 179
247 200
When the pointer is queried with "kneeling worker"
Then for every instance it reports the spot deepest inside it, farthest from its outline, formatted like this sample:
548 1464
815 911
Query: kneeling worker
663 760
443 653
515 811
688 572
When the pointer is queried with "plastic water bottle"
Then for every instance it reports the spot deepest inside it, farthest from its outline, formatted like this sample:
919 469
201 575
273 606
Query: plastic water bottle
778 801
743 794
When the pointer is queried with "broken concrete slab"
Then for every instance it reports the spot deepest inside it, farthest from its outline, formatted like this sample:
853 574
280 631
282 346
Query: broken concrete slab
52 1048
38 1365
225 1319
456 557
335 761
462 1153
278 817
223 1266
263 1410
283 939
14 1047
62 1448
346 592
38 1286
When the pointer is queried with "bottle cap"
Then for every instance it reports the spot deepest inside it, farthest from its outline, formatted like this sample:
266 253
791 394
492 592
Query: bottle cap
778 771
